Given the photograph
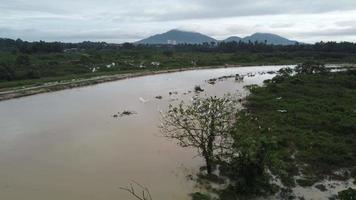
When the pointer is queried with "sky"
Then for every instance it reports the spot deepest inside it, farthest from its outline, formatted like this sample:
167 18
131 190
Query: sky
120 21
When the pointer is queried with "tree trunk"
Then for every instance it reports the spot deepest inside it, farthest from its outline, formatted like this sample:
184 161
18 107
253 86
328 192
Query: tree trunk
209 167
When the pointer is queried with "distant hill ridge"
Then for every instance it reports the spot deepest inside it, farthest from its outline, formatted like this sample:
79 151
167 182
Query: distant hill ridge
263 38
180 37
177 37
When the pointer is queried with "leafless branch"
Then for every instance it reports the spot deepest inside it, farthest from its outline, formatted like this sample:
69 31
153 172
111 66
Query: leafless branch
146 195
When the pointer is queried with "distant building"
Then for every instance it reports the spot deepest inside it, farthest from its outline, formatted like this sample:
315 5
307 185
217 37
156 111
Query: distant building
172 42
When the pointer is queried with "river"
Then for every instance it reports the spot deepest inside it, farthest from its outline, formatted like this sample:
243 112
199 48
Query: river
67 144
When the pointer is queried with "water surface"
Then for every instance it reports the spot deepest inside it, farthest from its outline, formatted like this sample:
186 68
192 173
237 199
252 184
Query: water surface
66 144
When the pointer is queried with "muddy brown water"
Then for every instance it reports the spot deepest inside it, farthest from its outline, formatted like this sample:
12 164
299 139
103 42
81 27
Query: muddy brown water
66 144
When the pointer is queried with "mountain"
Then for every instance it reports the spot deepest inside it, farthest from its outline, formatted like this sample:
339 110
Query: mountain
269 38
262 38
233 39
177 37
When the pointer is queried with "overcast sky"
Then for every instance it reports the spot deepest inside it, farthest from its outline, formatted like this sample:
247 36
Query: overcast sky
131 20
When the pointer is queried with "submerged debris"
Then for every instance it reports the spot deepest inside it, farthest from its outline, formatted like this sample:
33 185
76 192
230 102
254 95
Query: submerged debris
159 97
212 81
124 113
127 113
226 77
198 89
238 77
251 74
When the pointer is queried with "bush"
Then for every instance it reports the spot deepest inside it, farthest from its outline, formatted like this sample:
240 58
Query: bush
23 60
200 196
310 68
349 194
6 73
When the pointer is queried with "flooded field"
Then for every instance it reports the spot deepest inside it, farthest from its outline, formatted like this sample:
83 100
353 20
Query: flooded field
71 145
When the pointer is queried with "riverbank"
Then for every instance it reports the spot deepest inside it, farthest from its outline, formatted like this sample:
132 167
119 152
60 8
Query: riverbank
12 93
301 129
62 84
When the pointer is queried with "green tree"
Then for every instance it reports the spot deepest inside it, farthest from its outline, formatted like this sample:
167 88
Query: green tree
6 73
84 59
205 125
349 194
23 60
168 53
247 167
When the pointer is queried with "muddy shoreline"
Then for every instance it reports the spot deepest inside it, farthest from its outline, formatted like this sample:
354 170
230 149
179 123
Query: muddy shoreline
56 86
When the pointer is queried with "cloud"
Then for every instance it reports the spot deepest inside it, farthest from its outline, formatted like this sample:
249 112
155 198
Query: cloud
346 23
205 9
334 32
122 20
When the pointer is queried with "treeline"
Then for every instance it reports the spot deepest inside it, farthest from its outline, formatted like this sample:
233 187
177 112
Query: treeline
232 47
225 47
9 45
23 60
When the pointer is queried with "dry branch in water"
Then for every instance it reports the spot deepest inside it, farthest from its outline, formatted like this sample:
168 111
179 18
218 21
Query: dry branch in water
143 194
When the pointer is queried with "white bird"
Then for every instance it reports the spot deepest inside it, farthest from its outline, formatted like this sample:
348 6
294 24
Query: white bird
143 100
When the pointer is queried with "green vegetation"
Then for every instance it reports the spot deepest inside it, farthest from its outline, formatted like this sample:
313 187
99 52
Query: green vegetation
349 194
316 133
204 125
27 63
296 126
300 127
200 196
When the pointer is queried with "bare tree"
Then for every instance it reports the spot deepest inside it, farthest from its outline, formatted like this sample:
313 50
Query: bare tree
205 124
143 194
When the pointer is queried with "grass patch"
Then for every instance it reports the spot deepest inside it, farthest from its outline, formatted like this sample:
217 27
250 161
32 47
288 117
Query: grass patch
316 132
